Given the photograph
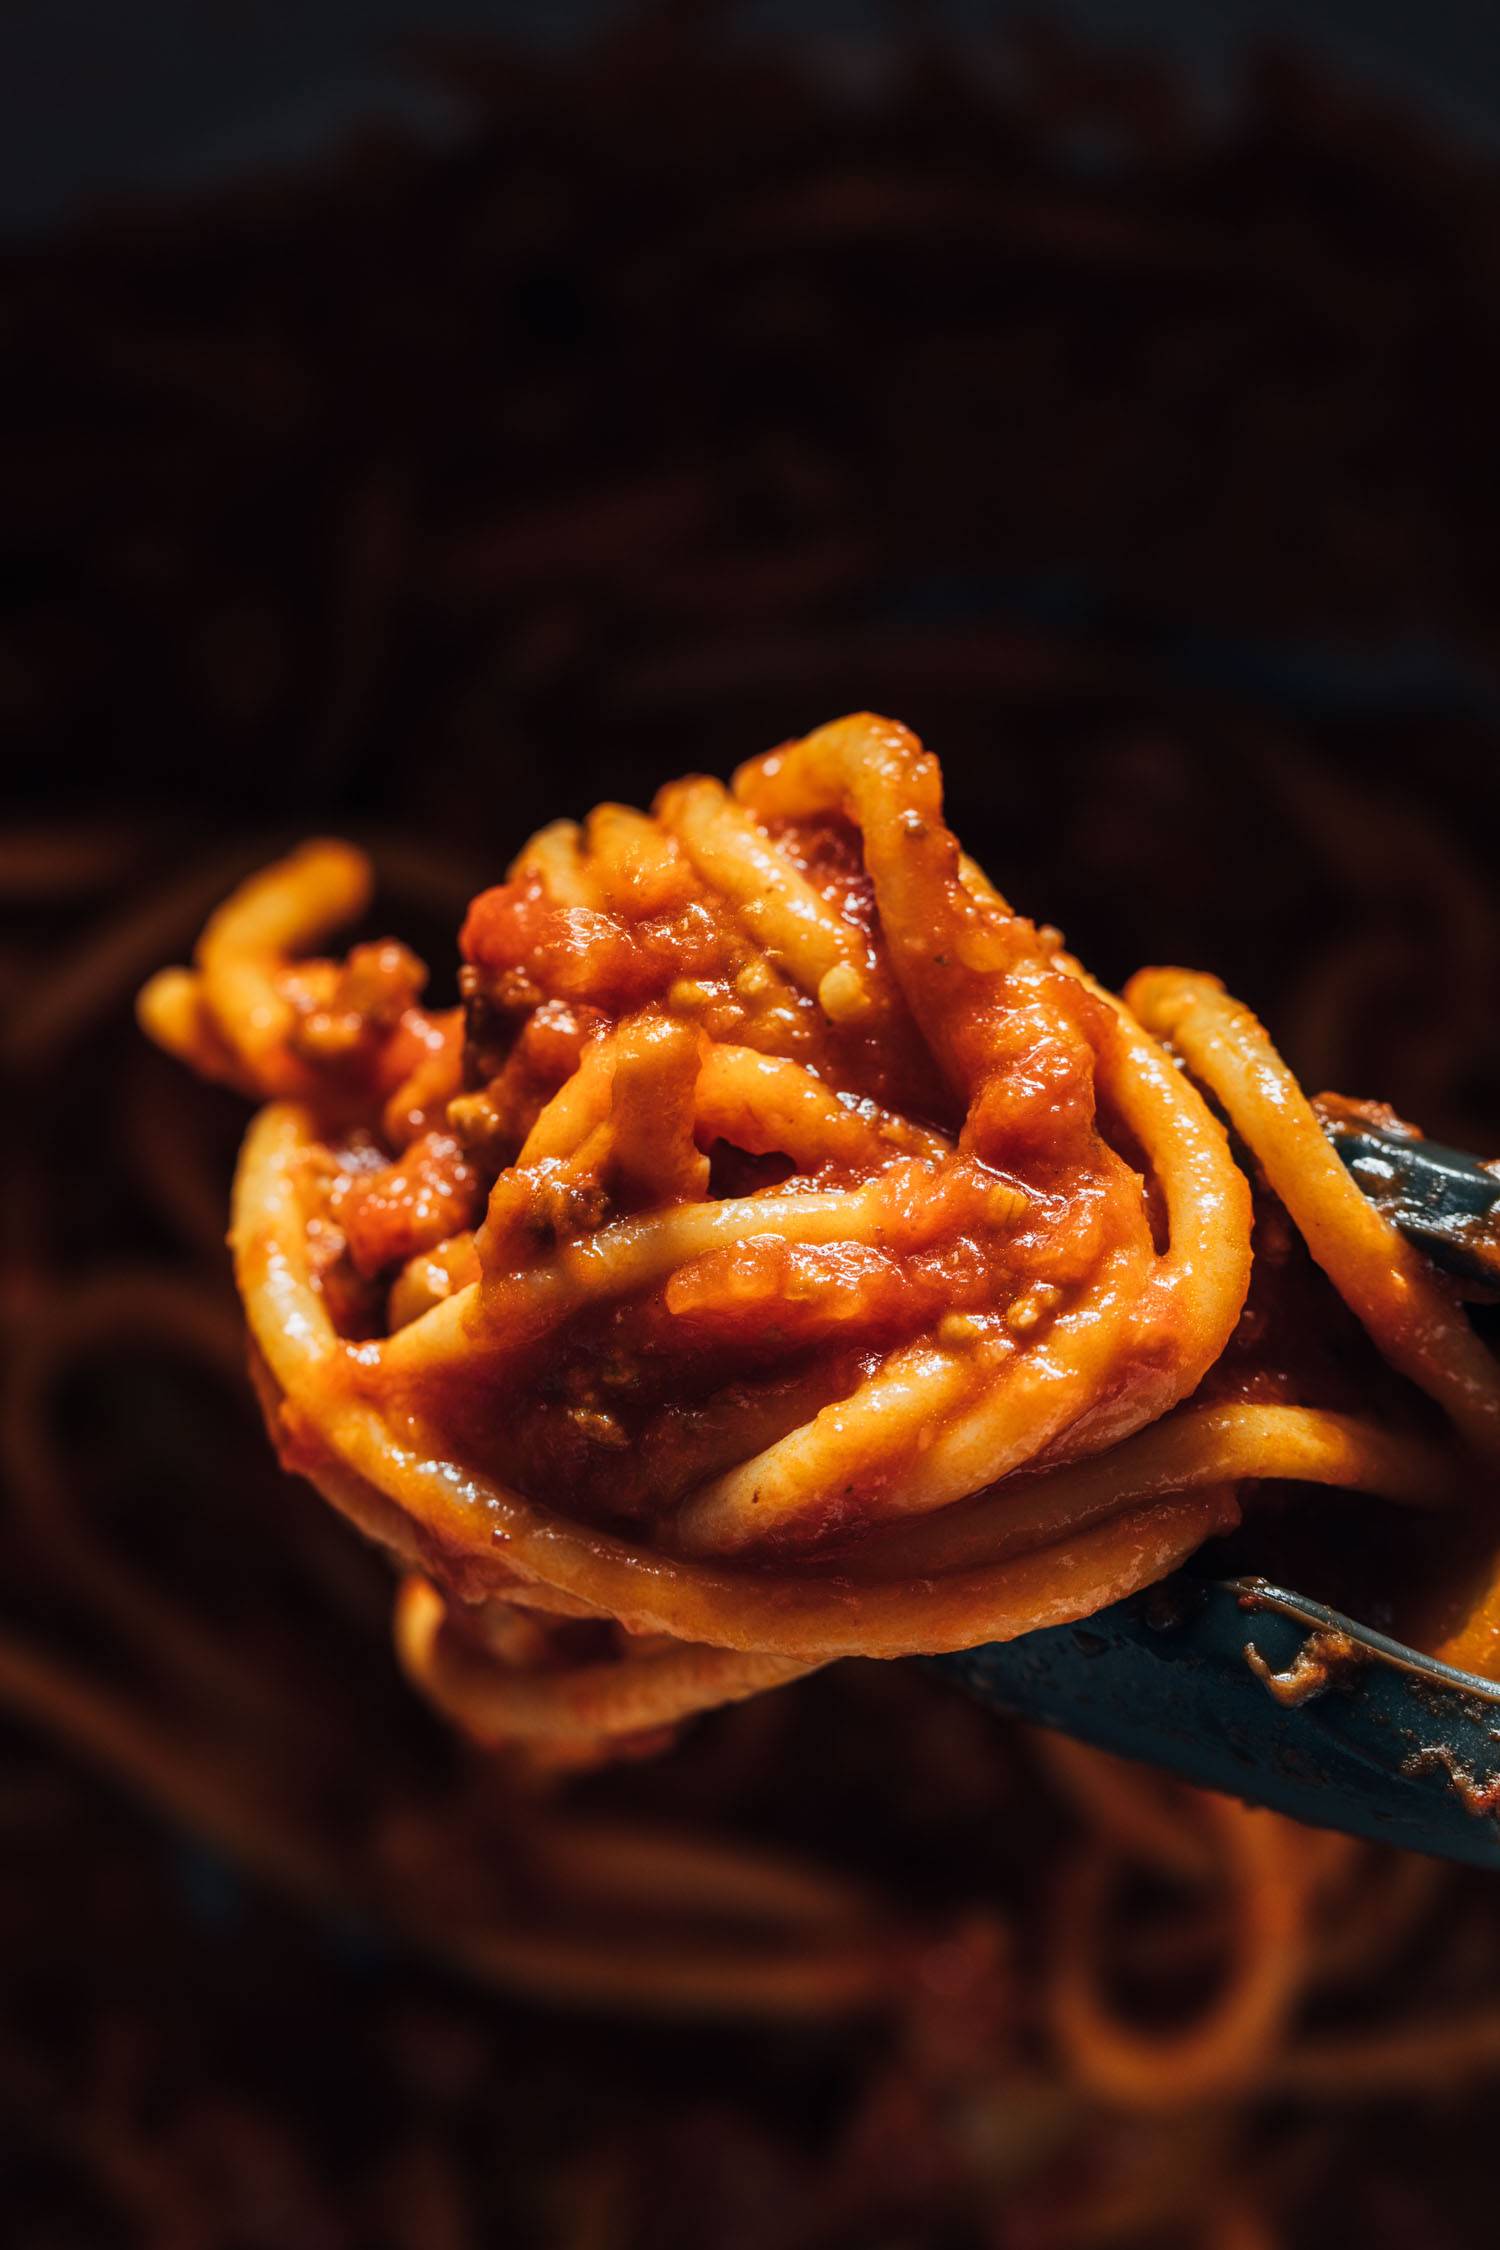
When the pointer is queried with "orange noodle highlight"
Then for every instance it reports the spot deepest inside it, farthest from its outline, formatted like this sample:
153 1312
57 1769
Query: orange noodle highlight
785 1252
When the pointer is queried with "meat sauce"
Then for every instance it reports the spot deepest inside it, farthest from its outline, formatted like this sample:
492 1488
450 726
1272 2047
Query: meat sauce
629 1404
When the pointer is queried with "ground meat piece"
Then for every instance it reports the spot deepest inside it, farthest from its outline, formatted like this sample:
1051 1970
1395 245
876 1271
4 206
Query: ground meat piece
430 1192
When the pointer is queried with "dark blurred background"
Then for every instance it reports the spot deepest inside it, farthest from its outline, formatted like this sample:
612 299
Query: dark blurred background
1114 405
426 422
175 94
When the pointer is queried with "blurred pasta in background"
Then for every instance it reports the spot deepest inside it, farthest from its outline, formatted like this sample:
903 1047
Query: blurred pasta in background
433 491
